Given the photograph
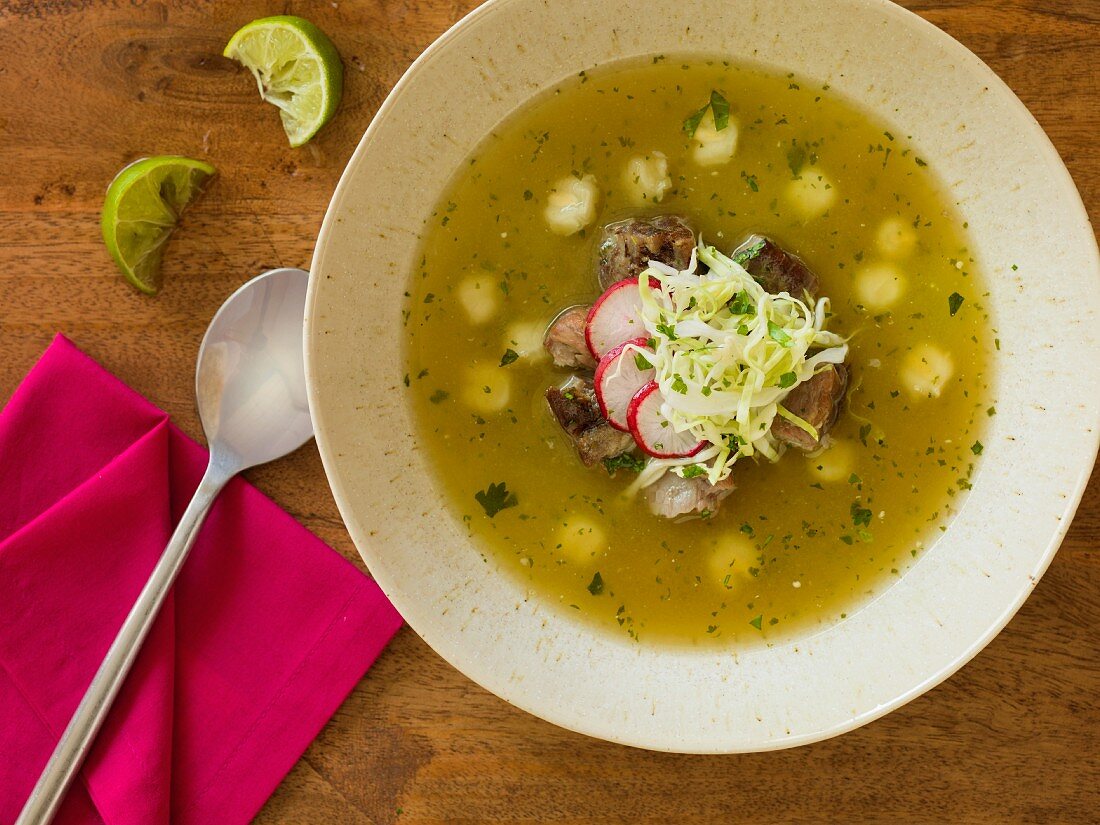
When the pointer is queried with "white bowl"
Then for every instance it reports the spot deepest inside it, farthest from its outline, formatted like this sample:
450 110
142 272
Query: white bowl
1027 226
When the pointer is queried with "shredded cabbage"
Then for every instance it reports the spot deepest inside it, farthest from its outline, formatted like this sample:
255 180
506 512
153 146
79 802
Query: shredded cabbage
726 354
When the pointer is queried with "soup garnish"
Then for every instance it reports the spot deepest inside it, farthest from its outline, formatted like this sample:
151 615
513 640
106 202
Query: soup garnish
702 365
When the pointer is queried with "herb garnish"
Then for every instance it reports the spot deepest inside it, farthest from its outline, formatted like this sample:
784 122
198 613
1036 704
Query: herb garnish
860 515
954 301
787 379
720 108
694 471
510 357
777 334
667 331
626 461
596 586
438 396
757 622
641 363
977 448
496 498
750 253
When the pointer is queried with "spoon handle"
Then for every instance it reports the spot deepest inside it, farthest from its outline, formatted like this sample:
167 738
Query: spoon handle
90 713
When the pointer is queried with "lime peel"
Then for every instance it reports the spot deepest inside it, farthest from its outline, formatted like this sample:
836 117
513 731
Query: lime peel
141 210
297 70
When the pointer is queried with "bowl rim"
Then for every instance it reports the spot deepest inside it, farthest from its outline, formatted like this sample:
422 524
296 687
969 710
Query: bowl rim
502 688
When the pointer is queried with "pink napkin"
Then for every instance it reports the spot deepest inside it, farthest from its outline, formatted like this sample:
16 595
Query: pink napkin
265 633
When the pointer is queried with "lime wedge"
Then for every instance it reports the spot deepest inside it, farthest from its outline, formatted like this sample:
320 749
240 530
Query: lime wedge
296 68
141 209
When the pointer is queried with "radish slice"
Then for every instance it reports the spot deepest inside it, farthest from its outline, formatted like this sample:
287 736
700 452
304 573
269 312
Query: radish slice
652 430
618 378
615 318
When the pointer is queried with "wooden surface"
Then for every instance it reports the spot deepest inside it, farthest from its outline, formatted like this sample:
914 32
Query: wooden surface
86 86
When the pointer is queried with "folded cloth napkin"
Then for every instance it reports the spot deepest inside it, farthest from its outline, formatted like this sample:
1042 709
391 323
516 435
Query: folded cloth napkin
265 633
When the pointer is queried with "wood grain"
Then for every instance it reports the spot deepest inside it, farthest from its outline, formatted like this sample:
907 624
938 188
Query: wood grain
86 86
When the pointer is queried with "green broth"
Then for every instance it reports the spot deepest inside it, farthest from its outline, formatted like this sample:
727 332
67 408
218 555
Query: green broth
799 543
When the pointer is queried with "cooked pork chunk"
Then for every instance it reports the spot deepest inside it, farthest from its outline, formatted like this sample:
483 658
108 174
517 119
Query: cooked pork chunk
817 402
627 247
672 496
774 268
575 408
565 340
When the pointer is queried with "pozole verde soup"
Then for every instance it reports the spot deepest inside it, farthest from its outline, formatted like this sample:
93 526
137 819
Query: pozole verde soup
817 520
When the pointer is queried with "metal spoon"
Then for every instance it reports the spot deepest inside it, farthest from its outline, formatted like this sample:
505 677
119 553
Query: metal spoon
251 389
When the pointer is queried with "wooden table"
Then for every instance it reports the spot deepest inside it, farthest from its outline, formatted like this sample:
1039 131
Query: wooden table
86 87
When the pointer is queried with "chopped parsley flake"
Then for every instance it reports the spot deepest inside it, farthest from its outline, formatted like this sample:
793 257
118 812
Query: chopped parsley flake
787 379
778 334
976 448
626 461
860 515
595 587
954 301
757 622
496 498
510 357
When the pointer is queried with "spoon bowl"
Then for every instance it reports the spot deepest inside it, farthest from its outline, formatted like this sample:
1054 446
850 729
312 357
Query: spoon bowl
249 380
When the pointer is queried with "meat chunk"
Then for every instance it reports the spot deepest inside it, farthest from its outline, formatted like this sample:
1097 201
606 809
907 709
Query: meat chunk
574 406
672 496
564 340
817 402
627 247
774 268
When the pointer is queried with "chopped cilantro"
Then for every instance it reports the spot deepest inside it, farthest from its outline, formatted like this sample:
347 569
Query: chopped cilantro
528 194
796 158
721 108
678 385
860 515
595 587
641 363
976 448
751 181
692 121
694 471
751 252
757 622
438 396
496 498
626 461
777 334
954 301
667 331
510 357
718 105
787 379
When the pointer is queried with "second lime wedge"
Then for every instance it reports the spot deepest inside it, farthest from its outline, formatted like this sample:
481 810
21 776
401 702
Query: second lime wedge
141 209
296 68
